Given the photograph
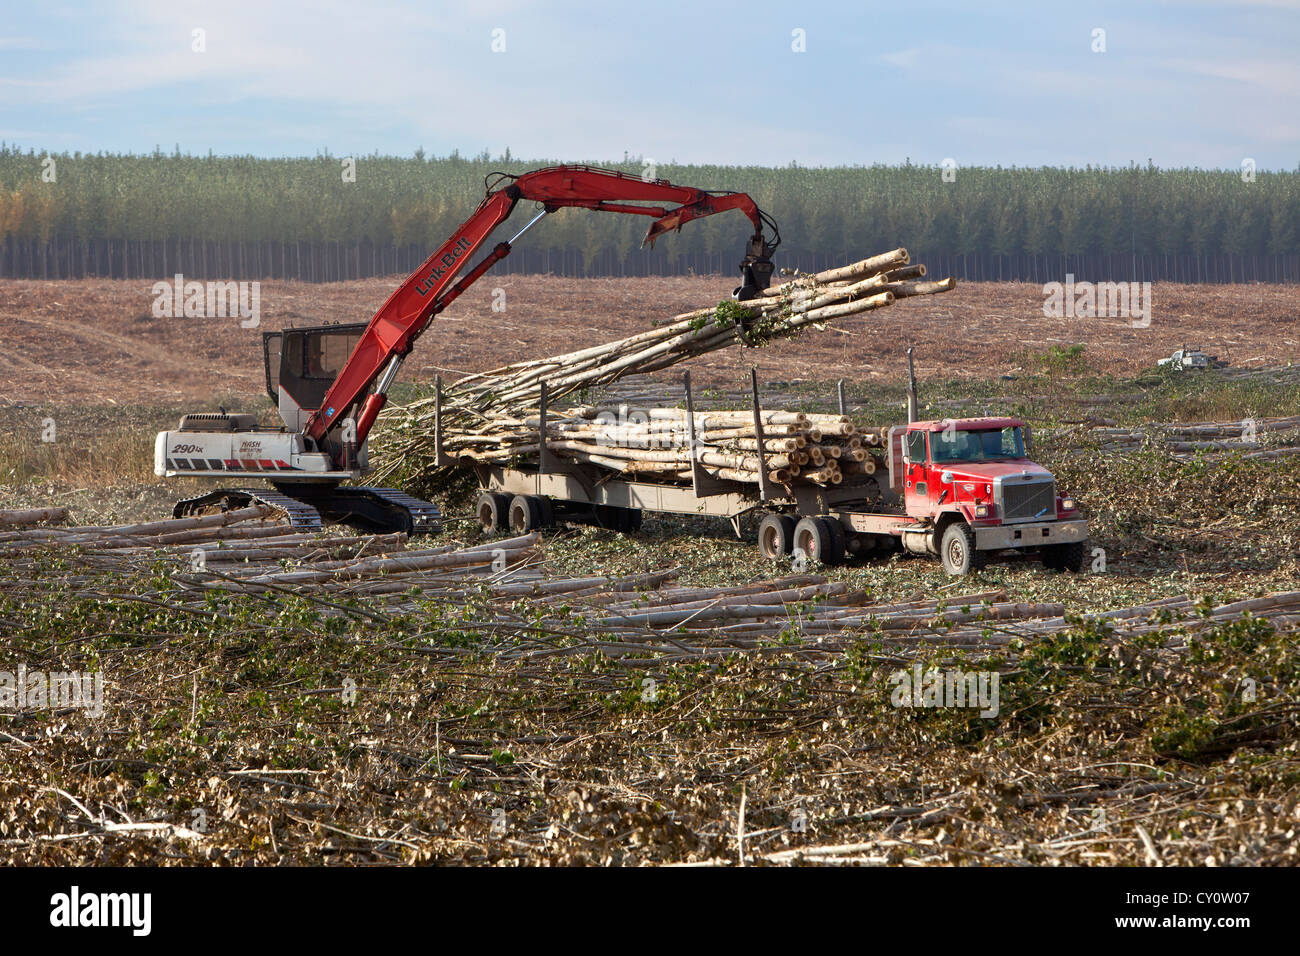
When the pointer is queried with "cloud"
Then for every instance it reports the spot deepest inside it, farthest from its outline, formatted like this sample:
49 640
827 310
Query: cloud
392 75
1274 76
903 58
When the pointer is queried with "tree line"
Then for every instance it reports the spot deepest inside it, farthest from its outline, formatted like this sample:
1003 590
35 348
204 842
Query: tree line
115 214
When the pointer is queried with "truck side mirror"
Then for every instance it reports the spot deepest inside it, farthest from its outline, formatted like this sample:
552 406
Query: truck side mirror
914 448
1029 439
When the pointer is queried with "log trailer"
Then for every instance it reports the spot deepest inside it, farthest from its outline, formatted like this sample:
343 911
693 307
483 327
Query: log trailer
959 489
329 383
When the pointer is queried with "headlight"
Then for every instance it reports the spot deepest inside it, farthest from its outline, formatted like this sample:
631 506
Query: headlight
1067 504
981 511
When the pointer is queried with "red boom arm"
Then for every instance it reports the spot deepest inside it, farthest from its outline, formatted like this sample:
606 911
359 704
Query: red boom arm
398 323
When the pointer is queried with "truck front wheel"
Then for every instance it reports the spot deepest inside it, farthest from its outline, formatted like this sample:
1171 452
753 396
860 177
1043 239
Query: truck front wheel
1065 557
957 549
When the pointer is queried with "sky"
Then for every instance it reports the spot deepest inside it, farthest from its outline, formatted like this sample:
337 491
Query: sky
1177 83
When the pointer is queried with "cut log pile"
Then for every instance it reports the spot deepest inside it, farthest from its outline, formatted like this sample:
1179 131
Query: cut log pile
634 617
228 529
816 620
656 443
783 311
253 548
1253 438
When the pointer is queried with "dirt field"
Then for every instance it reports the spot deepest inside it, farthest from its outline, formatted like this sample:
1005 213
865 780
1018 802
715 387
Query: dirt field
96 341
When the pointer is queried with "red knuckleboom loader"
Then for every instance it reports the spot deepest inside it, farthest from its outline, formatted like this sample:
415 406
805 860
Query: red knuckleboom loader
328 383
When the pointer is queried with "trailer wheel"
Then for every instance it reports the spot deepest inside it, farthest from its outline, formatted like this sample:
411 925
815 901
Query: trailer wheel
632 518
1065 557
957 549
493 512
526 514
548 512
821 539
775 536
615 518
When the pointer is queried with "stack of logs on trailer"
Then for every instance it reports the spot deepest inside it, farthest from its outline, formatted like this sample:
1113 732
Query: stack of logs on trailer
606 465
656 444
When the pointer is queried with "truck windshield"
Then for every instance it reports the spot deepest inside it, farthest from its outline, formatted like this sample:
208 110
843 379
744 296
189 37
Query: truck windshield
983 445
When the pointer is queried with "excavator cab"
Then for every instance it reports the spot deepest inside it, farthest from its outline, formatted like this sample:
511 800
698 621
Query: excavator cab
307 483
302 363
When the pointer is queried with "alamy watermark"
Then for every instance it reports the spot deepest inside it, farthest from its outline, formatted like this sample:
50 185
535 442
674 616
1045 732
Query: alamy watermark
74 909
212 300
952 688
52 690
1086 300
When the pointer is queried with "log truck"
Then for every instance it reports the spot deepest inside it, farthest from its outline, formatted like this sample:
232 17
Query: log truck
329 383
962 490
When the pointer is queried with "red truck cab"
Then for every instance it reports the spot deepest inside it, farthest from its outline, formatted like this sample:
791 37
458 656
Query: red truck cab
970 488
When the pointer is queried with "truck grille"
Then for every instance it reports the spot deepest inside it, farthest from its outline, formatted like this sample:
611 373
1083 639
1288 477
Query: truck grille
1021 500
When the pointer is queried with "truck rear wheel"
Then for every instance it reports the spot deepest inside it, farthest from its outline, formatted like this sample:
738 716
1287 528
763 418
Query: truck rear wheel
526 514
615 518
821 539
775 536
957 549
1065 557
493 512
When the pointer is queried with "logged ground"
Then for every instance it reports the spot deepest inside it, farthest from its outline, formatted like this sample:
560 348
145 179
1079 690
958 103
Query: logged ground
97 342
1102 754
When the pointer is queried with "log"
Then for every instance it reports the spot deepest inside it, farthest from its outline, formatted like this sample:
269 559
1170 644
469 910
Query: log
864 467
771 444
902 290
857 270
13 519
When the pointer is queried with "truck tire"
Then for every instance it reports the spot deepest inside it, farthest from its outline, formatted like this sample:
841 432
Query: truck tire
957 549
615 518
493 512
1065 557
775 536
839 540
548 512
525 514
821 539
